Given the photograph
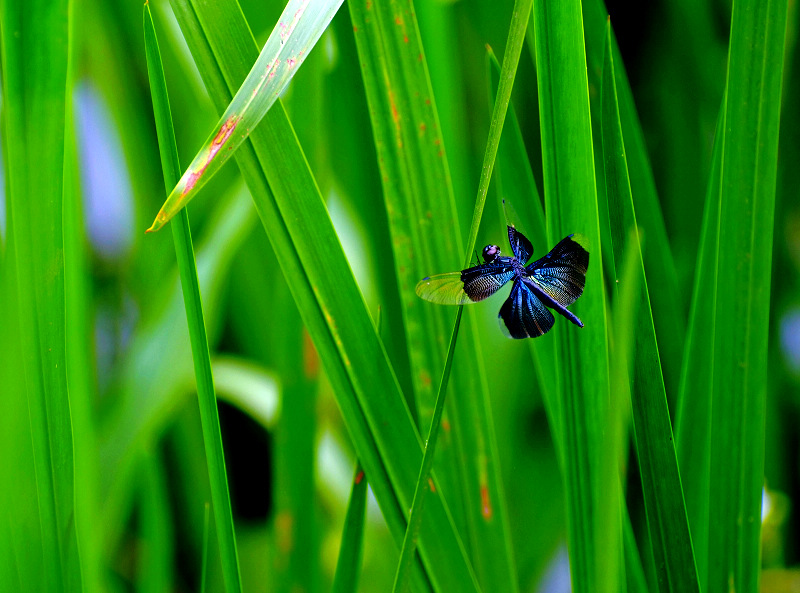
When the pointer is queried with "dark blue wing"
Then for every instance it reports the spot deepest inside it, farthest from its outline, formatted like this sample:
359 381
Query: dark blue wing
561 274
522 248
468 286
523 314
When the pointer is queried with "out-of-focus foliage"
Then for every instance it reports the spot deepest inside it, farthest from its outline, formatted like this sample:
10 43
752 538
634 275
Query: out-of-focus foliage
103 474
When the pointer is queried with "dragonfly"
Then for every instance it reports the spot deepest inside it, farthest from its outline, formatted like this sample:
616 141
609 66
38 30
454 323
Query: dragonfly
554 281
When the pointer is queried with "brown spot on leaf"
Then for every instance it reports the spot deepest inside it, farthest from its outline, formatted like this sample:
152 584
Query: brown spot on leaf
222 136
425 378
310 357
284 524
486 504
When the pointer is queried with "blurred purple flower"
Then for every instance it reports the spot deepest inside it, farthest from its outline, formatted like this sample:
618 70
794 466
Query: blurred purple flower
108 197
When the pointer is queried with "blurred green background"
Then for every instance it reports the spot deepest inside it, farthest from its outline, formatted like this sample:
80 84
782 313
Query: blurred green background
289 458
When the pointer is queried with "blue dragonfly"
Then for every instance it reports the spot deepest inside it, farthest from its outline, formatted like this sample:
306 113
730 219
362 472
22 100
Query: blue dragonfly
555 281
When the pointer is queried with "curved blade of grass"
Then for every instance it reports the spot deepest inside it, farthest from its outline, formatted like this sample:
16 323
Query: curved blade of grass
328 298
184 251
35 37
581 355
665 296
423 223
693 416
744 262
292 39
423 484
661 484
348 566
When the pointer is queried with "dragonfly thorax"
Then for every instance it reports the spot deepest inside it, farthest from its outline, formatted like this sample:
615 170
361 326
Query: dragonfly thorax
490 253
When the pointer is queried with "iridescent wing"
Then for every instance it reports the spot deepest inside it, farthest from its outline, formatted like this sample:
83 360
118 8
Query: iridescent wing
523 315
520 246
561 274
468 286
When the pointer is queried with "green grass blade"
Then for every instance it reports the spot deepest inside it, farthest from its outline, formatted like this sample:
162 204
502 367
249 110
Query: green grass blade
621 351
204 561
292 39
516 37
693 416
423 484
423 223
744 261
328 299
293 474
80 362
207 400
348 566
571 207
666 299
21 537
661 484
35 38
155 570
410 155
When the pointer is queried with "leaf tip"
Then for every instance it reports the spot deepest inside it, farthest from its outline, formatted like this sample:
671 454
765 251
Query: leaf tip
160 221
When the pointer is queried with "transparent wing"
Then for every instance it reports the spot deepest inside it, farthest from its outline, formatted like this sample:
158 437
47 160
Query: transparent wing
468 286
523 315
444 289
562 272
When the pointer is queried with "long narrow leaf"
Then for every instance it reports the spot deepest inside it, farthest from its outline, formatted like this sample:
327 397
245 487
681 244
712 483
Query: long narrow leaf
423 481
35 37
292 39
693 416
666 299
666 513
78 308
348 566
423 222
209 416
581 354
327 296
744 262
621 351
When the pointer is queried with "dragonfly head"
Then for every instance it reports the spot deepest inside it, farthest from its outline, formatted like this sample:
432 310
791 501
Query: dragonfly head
490 252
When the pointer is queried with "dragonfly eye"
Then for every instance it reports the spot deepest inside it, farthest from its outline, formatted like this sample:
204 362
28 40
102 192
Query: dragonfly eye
490 252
